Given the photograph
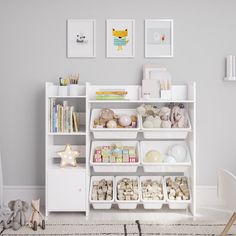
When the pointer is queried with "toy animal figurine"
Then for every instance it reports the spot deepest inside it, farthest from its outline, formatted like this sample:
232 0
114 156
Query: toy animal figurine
36 218
177 118
81 38
17 217
165 117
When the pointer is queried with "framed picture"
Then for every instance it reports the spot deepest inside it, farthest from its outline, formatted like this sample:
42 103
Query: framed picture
81 38
120 38
159 38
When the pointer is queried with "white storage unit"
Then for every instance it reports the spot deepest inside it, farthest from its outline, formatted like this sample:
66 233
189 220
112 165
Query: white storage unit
161 137
115 133
153 204
115 167
98 204
67 189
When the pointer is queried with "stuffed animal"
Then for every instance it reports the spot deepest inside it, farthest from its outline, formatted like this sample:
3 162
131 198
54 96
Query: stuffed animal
17 217
177 118
165 117
36 218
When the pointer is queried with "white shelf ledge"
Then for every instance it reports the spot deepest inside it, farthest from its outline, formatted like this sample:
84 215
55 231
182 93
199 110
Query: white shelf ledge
81 96
141 101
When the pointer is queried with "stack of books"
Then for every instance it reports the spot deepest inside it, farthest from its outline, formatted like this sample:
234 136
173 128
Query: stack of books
62 118
111 94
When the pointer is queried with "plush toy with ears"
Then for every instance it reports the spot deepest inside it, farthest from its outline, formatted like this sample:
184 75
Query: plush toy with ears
17 217
36 218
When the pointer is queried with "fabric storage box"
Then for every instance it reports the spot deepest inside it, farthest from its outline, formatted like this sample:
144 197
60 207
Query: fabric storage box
99 204
177 204
152 204
127 204
114 133
115 167
166 133
163 147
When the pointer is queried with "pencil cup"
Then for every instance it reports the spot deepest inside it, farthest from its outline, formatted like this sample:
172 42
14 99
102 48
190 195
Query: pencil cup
62 91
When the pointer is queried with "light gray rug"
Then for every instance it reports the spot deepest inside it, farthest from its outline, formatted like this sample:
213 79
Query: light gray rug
124 228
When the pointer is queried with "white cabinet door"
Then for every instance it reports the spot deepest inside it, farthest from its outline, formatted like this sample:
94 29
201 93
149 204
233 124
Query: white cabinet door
66 190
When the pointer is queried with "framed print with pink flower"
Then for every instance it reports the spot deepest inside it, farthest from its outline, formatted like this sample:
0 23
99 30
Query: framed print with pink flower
159 38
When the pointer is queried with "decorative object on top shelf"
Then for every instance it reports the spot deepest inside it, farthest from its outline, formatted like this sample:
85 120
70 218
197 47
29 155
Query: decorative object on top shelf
120 38
159 38
171 116
156 82
108 119
68 156
81 38
230 68
111 94
62 118
36 218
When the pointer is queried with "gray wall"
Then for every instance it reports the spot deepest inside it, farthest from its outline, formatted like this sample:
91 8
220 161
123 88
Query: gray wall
33 51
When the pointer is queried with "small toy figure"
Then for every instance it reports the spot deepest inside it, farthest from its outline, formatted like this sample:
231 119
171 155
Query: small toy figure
36 218
17 217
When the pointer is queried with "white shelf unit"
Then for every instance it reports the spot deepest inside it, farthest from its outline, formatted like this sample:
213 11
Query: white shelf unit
132 102
66 189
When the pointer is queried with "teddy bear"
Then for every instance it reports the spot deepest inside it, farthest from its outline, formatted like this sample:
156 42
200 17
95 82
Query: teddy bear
36 218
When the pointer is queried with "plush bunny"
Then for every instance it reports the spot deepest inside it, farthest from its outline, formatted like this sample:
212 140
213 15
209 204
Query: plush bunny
36 218
17 217
178 117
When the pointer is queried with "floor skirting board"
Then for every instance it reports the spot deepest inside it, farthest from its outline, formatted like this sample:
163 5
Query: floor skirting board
206 195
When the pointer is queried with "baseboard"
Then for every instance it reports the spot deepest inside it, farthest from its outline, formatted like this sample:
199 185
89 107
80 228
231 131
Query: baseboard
206 195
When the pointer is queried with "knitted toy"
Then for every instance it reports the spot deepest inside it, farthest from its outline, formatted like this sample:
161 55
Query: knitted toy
36 218
17 217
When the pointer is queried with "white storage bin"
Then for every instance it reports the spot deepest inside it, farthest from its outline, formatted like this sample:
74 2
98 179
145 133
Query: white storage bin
115 133
76 90
166 133
115 167
52 90
132 204
152 204
177 204
163 147
101 204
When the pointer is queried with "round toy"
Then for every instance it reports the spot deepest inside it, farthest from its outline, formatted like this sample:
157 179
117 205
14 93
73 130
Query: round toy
153 156
178 152
111 124
124 120
169 159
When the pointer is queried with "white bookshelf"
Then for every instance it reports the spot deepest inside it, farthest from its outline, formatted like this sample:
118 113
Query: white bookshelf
79 189
66 188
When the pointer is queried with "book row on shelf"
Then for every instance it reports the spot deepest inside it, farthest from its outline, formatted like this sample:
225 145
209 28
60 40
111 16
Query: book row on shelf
62 117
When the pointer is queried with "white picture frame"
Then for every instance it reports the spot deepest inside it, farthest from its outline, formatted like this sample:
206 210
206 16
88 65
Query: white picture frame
159 38
81 38
120 38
